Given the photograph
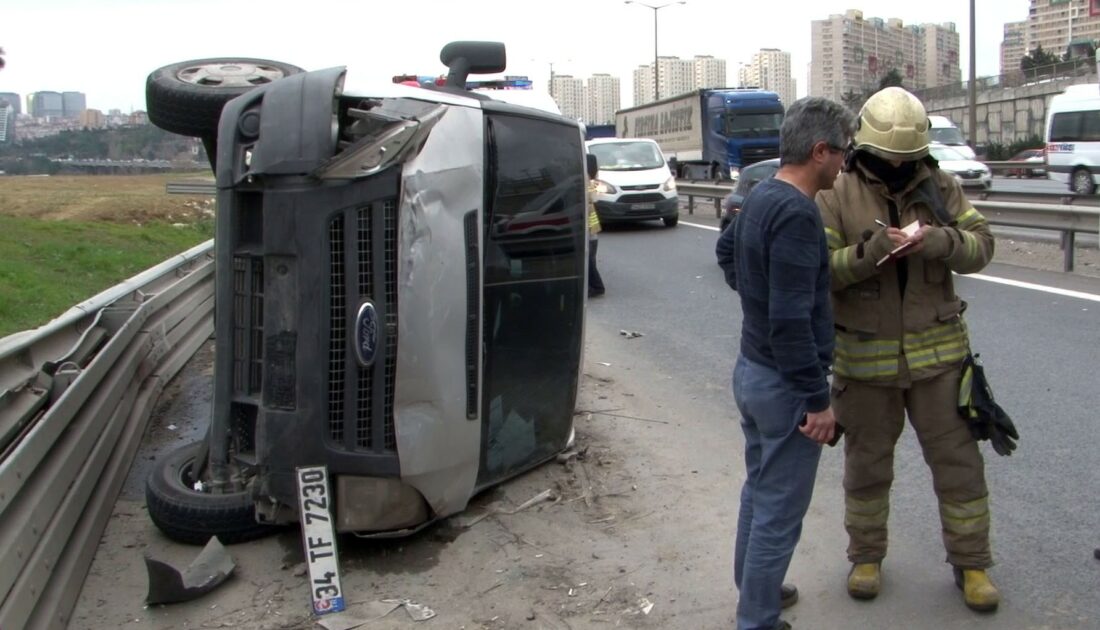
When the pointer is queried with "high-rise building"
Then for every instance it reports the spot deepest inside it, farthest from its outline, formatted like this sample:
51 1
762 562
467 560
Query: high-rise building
72 103
1013 46
1058 24
45 105
770 69
11 98
568 93
709 72
643 84
675 75
603 99
941 54
7 122
851 54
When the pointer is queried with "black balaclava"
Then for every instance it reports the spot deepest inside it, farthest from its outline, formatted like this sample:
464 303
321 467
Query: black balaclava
896 178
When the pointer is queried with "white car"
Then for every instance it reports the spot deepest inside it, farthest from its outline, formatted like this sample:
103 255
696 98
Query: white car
969 173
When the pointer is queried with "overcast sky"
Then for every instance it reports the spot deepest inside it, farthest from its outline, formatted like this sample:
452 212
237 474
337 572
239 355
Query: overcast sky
106 48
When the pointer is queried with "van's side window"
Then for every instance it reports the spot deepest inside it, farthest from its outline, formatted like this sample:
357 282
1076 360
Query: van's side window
1075 127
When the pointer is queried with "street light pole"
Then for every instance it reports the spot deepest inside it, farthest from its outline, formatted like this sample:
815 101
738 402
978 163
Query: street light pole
656 68
972 92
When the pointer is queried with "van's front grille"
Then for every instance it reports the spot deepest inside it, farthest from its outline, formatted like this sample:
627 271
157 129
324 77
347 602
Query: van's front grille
362 268
641 198
248 329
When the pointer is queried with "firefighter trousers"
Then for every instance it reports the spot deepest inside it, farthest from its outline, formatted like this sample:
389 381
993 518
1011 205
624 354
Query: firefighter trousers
873 417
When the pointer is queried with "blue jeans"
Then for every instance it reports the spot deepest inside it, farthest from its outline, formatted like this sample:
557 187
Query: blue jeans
780 468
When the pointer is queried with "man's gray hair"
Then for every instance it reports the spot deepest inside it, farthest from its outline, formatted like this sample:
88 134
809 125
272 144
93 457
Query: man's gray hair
811 120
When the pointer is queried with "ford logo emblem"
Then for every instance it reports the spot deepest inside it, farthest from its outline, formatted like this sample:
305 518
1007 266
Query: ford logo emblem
366 334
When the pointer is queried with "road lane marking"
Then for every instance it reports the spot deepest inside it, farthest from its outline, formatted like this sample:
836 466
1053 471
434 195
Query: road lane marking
978 276
701 226
1035 287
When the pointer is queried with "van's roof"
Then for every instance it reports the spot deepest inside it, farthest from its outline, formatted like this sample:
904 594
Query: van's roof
941 121
618 140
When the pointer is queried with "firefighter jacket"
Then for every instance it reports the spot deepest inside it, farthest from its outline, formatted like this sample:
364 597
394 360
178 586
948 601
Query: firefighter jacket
883 336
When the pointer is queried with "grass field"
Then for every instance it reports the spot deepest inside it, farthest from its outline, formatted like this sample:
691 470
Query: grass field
64 239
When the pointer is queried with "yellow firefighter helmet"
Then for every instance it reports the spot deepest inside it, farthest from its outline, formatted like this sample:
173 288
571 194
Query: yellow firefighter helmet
893 125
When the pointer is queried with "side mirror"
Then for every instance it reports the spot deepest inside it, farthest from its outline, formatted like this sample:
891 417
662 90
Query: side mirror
592 165
465 58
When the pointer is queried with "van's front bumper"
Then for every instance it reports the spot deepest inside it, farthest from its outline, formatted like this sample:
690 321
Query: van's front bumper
617 211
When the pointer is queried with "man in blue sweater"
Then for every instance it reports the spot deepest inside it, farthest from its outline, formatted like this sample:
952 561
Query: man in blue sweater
776 257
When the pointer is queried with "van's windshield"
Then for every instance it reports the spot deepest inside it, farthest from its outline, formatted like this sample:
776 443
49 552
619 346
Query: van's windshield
627 156
947 135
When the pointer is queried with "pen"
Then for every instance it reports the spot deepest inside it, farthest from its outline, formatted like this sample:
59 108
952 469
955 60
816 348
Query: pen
880 223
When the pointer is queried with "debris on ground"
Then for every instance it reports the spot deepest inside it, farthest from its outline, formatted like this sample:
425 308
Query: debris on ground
630 334
169 585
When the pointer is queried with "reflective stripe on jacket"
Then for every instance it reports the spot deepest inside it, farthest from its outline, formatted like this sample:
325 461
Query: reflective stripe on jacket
876 326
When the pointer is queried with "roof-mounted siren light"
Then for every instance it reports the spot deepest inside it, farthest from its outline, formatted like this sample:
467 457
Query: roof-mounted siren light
465 58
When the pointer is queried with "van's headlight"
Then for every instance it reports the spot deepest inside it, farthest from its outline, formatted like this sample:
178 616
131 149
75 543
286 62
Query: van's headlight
670 185
605 188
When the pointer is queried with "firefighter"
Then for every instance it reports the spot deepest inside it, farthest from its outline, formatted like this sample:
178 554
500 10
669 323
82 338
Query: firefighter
901 339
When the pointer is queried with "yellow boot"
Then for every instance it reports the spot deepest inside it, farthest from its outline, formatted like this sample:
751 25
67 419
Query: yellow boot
978 591
864 580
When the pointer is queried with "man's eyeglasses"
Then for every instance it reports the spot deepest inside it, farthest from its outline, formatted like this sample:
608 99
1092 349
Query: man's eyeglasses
836 148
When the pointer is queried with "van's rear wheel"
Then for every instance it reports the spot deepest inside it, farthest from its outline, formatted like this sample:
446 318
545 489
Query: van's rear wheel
1082 182
187 97
191 516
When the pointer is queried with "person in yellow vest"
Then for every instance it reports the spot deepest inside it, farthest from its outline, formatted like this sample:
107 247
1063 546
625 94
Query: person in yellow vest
595 282
897 227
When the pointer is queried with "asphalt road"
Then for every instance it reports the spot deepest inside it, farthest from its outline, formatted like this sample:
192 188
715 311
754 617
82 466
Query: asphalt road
1040 351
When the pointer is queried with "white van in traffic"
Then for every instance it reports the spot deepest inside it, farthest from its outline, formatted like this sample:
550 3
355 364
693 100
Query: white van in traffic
1073 138
946 132
634 182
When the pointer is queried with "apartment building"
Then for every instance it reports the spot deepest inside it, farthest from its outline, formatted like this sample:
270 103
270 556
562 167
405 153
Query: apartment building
603 99
675 75
568 93
710 72
770 69
1058 24
851 54
7 123
1013 46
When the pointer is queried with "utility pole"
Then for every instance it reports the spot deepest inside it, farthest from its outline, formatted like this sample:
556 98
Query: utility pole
972 92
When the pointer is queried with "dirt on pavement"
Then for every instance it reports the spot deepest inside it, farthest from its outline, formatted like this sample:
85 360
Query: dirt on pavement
589 557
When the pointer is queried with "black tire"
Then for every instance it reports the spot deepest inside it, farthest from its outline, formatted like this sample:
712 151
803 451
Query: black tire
1081 182
192 517
187 97
671 221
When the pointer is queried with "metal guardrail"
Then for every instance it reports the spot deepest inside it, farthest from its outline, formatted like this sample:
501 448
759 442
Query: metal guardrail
1075 213
74 401
191 187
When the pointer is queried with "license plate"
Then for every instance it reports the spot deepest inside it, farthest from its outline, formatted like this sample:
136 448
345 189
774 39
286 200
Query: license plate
643 206
319 540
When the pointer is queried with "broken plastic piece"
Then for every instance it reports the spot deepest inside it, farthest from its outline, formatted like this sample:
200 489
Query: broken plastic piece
630 334
168 585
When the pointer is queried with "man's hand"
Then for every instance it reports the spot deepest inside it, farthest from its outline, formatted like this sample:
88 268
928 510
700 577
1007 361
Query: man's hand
819 426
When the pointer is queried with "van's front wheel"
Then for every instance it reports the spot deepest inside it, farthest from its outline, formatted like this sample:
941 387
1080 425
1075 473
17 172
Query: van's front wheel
187 512
1082 182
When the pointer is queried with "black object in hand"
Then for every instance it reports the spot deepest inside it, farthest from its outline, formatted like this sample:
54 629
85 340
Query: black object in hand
838 430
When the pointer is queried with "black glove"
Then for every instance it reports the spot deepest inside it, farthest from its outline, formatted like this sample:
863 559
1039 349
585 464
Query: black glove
1004 434
984 417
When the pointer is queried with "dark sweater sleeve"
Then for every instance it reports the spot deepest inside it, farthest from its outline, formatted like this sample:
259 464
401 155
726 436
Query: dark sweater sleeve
794 266
726 253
